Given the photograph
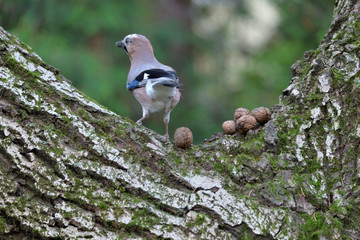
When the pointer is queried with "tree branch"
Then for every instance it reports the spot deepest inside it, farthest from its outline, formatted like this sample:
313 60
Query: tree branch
70 168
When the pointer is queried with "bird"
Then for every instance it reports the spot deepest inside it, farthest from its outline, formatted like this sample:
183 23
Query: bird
154 85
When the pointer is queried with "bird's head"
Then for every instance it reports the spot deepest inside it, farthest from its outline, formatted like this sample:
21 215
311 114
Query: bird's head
136 45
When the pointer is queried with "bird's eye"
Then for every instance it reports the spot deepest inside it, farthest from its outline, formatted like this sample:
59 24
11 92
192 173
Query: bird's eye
127 40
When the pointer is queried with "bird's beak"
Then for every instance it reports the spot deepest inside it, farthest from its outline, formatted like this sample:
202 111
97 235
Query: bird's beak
121 44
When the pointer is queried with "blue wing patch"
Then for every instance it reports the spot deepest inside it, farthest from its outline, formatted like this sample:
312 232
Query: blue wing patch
132 85
152 74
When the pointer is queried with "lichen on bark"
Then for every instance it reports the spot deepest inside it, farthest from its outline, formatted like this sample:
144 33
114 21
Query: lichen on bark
319 118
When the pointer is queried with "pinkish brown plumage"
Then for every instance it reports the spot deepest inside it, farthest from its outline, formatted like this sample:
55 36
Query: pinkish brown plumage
154 85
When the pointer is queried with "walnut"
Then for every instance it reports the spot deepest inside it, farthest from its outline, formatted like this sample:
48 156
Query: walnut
229 127
183 137
245 123
239 112
261 114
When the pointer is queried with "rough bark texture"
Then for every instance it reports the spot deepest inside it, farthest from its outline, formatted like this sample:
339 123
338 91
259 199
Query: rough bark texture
71 169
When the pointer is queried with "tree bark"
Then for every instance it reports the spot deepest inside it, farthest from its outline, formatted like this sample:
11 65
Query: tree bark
71 169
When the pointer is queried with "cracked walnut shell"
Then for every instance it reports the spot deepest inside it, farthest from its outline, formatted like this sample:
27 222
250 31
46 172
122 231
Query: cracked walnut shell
239 112
261 114
245 123
229 127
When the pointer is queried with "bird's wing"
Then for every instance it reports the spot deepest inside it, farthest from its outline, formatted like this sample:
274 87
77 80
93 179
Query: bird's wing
158 76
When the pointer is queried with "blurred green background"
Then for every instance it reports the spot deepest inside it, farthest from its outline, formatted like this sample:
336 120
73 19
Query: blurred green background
228 54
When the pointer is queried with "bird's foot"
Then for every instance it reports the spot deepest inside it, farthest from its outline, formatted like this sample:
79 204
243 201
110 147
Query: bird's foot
166 136
139 122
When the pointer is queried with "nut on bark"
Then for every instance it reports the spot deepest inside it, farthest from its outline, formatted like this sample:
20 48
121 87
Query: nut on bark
239 112
183 137
245 123
261 114
229 127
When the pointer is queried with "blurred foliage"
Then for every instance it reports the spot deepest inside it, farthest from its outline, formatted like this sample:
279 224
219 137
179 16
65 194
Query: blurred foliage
78 38
302 27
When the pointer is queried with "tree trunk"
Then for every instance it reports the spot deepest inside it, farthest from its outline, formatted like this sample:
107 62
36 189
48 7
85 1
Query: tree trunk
71 169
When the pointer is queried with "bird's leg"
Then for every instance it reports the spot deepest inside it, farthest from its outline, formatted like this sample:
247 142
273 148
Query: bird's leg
167 131
166 121
145 115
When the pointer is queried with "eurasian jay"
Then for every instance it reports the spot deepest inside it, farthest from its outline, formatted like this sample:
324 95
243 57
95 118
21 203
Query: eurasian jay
154 85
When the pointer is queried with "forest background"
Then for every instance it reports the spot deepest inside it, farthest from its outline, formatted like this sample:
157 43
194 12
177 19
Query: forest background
228 54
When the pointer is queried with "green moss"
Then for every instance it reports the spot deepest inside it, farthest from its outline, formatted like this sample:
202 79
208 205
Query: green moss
84 114
67 120
67 215
103 205
312 228
121 131
337 208
319 225
18 70
199 220
102 123
352 221
277 189
2 224
219 166
274 162
305 68
67 195
23 114
254 144
315 98
143 219
337 77
22 203
354 31
57 151
10 62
